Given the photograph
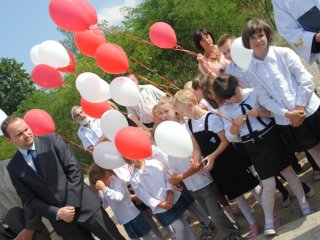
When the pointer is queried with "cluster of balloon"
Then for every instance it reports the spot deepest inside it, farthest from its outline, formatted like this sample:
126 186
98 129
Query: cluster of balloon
162 35
133 143
50 57
240 55
173 139
3 116
39 121
73 15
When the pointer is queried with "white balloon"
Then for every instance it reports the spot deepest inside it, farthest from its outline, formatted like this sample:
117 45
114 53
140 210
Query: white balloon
34 54
124 91
83 76
107 156
3 116
173 139
92 88
240 55
53 54
111 122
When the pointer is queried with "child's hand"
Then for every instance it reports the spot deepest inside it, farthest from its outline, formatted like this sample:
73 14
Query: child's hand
208 161
165 205
100 185
195 164
239 121
176 179
253 113
296 117
177 187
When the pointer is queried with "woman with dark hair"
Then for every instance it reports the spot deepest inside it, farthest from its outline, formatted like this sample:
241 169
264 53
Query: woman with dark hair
212 62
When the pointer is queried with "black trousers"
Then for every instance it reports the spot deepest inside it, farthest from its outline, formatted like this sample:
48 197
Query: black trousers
100 224
16 221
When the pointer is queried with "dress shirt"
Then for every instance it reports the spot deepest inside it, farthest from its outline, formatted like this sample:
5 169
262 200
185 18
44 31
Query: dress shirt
150 185
149 97
27 157
90 135
234 70
233 111
118 198
282 82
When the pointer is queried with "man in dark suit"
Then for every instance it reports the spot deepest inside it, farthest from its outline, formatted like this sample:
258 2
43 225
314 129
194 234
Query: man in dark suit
48 179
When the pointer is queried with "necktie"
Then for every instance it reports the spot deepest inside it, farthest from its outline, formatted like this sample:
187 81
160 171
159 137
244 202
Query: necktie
35 160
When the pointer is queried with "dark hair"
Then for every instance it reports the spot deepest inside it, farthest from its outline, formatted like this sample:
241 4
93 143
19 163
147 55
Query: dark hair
197 82
225 87
197 36
256 26
5 124
224 38
207 90
95 173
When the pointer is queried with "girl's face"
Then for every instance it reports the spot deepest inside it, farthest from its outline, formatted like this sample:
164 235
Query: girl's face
259 43
236 98
167 113
206 41
198 93
185 110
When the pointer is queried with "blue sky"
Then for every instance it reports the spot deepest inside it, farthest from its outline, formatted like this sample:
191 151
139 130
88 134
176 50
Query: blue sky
25 23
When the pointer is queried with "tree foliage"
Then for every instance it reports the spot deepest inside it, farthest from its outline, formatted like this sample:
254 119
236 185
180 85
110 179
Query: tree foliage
15 84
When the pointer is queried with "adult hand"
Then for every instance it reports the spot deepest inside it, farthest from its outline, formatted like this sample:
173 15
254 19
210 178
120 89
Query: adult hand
66 213
25 234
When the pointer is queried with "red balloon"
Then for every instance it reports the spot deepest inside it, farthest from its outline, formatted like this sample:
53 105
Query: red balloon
73 15
162 35
94 110
39 121
46 76
88 41
133 143
72 65
112 59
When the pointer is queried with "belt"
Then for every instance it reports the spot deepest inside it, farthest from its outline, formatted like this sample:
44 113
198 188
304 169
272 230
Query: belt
257 135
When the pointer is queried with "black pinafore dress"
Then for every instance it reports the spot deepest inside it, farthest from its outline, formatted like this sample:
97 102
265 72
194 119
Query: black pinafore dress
230 174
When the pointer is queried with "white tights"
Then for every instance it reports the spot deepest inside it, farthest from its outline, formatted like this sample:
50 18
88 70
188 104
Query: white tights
315 153
269 186
182 229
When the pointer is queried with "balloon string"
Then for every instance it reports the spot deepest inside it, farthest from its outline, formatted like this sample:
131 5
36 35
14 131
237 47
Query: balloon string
73 143
179 48
153 71
153 83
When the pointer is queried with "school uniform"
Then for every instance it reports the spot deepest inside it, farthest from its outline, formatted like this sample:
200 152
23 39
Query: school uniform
261 138
229 173
282 82
150 185
118 198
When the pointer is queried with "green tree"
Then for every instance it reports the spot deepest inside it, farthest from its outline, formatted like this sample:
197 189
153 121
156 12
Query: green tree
15 84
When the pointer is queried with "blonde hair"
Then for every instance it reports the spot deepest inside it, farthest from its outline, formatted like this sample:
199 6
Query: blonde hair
188 85
224 38
183 97
169 101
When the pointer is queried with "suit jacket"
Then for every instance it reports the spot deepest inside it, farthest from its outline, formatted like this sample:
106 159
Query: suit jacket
61 185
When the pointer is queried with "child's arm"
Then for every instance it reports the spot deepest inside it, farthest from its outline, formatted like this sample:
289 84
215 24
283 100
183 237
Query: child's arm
237 122
259 112
222 146
116 194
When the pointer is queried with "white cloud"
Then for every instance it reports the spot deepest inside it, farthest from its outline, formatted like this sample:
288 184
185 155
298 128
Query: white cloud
113 14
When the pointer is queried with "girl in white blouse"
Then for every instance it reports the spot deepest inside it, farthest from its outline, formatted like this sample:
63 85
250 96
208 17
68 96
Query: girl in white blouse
285 88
